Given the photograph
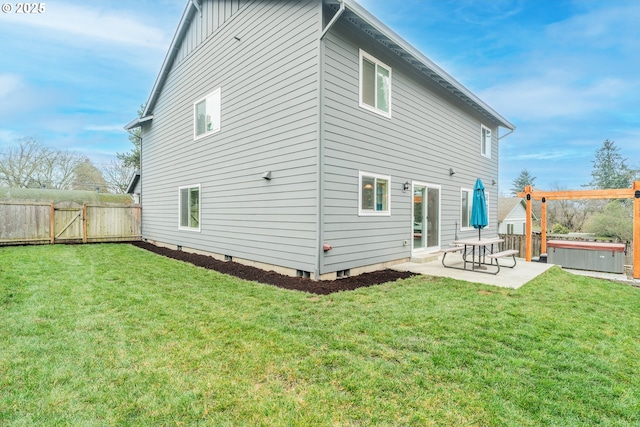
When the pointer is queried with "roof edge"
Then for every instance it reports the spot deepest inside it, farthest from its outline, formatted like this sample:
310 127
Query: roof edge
405 45
137 122
187 16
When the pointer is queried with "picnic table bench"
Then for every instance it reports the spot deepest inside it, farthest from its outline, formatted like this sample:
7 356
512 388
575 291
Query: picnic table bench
484 246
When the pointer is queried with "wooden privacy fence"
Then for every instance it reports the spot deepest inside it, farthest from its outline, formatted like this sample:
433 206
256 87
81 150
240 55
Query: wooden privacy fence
67 222
518 242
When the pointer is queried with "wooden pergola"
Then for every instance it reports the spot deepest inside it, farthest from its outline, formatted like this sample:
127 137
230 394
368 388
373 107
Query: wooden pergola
544 196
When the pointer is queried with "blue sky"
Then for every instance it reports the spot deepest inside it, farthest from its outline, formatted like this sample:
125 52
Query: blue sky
566 73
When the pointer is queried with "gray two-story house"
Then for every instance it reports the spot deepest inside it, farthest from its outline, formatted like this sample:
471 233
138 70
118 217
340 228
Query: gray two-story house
309 138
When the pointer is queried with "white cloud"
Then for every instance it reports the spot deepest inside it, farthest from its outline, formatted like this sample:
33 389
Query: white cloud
551 155
93 23
7 137
545 97
105 128
9 83
613 25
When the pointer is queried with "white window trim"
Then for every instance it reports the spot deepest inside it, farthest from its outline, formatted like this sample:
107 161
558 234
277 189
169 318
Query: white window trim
428 249
367 212
486 198
217 95
180 227
487 154
364 54
470 191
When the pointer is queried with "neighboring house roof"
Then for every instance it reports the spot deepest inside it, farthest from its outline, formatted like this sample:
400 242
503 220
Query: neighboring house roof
506 205
134 181
366 22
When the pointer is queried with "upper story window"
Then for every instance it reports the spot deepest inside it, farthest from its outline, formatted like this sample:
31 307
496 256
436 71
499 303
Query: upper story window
189 209
485 141
374 197
206 115
375 85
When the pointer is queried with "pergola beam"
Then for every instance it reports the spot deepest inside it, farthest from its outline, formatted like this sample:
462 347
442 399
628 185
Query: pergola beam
620 193
624 193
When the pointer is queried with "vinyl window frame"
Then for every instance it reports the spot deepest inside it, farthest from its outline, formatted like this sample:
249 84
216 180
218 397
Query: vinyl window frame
485 141
469 193
214 101
377 63
189 188
374 212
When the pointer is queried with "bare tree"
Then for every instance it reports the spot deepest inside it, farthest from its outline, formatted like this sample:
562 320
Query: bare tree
19 166
571 214
28 164
118 175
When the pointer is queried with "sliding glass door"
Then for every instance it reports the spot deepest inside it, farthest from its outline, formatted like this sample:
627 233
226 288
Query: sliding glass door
426 217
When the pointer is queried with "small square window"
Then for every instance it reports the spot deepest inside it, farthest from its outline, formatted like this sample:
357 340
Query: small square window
206 115
374 197
189 208
375 85
485 141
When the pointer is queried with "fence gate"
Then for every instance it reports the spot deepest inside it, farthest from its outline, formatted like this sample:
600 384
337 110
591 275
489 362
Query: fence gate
68 223
38 223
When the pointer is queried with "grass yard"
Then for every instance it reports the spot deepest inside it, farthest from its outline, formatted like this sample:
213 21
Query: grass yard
100 335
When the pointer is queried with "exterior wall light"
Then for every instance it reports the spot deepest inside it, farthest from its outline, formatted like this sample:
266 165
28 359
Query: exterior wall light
405 186
451 171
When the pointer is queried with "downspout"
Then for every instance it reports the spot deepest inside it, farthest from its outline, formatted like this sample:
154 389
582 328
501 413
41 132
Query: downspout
320 243
197 6
333 20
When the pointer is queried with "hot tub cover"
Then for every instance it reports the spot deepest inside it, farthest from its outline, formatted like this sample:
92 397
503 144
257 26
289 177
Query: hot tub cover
590 246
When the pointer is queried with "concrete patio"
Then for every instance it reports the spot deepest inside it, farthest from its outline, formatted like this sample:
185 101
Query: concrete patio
512 278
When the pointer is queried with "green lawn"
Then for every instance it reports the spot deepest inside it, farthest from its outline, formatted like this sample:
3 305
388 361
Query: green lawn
113 335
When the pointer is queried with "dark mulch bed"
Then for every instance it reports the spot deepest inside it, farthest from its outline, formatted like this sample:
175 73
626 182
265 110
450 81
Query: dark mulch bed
246 272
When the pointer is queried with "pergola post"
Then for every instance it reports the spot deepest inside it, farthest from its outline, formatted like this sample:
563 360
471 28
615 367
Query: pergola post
527 232
636 230
543 232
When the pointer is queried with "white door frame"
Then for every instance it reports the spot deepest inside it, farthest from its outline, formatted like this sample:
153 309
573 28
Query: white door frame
426 249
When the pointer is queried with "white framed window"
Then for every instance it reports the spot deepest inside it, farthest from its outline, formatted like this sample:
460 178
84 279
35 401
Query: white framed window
485 141
374 194
189 208
466 202
206 115
375 85
466 205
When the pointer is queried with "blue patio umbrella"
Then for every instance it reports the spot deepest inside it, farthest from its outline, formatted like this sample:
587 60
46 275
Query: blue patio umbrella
479 216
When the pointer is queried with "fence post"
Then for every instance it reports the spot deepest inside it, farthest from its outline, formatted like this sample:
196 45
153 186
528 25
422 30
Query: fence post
52 223
84 223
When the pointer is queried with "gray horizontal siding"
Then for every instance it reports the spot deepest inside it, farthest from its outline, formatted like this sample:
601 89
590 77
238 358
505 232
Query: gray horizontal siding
268 81
429 132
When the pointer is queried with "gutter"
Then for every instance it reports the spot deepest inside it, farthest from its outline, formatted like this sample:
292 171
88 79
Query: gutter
333 20
507 134
137 122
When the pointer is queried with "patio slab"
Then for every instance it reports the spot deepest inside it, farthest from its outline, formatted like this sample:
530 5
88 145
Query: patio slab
512 278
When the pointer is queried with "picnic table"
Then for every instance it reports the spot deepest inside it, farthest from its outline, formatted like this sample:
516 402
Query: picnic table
486 248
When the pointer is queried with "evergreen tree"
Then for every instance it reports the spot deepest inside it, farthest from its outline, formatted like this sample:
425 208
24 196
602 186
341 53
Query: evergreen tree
131 159
609 168
522 181
89 178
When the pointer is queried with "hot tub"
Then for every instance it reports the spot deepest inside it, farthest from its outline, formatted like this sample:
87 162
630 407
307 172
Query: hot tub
592 256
